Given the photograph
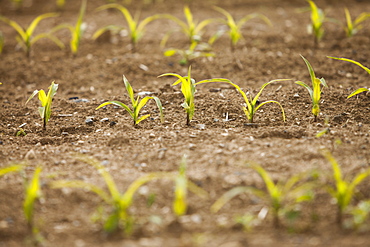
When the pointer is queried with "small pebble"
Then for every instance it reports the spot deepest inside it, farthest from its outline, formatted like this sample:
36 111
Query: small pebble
89 121
111 124
104 119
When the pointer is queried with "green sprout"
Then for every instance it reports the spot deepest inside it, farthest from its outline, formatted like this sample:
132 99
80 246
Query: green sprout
1 42
252 104
13 168
235 27
60 4
137 104
315 91
136 28
25 36
195 51
360 90
192 29
280 197
120 203
182 184
353 27
18 4
33 192
360 214
76 31
46 101
317 20
188 91
344 190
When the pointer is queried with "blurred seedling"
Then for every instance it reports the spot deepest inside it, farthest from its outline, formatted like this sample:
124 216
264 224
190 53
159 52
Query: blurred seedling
9 169
317 20
360 214
344 190
137 104
188 90
192 29
279 197
136 28
60 4
1 42
252 105
235 27
315 91
33 193
76 31
188 55
360 90
120 203
46 101
18 4
25 36
352 27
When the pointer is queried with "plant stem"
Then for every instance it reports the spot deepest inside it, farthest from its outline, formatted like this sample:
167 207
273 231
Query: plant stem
187 120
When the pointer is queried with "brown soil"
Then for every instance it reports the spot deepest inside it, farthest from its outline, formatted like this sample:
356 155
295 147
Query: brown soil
217 150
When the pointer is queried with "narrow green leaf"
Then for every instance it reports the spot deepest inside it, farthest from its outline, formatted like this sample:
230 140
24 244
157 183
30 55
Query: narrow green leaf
357 91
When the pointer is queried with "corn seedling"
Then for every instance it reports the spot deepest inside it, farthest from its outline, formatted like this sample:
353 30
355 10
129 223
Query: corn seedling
195 51
137 104
33 192
120 216
1 42
182 185
360 90
25 36
136 29
280 197
315 91
13 168
76 31
252 105
360 214
192 29
344 190
60 4
46 101
352 27
235 33
18 4
317 20
188 91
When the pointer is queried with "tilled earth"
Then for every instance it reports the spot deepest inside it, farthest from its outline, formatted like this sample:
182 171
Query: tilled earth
218 143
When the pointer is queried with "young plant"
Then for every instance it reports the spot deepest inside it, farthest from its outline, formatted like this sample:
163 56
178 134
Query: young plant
280 197
188 91
136 28
315 91
252 104
25 36
317 20
120 203
235 33
33 192
46 101
182 185
60 4
76 31
353 27
13 168
136 104
360 90
1 42
195 51
344 190
360 213
192 29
